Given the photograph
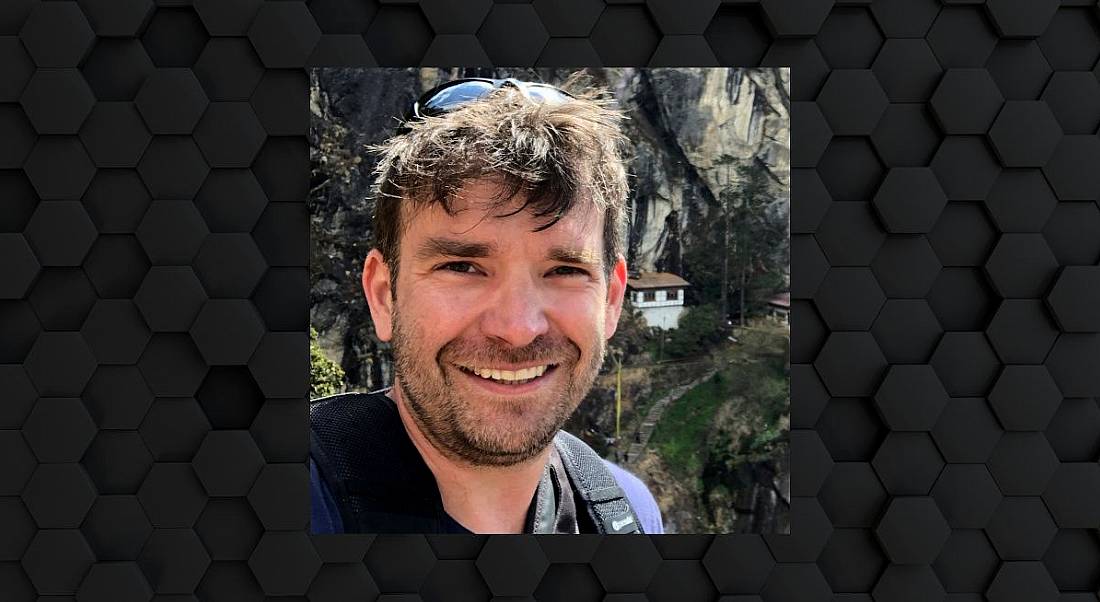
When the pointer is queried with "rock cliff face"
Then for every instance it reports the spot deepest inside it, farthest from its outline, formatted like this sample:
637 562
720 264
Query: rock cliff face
689 130
684 123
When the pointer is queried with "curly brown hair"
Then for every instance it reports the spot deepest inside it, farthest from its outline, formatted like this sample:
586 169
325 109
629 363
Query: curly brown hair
554 155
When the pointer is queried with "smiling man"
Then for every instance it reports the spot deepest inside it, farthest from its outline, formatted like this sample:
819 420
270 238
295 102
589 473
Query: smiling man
498 277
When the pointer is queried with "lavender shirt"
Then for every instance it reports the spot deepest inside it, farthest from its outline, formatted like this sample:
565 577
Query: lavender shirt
326 517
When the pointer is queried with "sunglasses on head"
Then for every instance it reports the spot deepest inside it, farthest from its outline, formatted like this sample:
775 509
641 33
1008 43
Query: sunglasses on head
453 94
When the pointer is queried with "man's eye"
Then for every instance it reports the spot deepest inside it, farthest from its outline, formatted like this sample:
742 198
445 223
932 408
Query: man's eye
567 270
462 267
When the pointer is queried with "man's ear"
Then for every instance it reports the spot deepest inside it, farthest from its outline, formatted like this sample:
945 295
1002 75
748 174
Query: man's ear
616 290
376 287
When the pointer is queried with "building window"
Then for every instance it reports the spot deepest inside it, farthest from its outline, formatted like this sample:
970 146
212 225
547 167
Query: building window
649 296
673 295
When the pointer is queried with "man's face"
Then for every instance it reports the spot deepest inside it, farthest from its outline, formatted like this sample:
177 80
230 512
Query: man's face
498 332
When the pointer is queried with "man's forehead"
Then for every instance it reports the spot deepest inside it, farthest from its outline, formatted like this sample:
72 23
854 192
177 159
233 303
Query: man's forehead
477 215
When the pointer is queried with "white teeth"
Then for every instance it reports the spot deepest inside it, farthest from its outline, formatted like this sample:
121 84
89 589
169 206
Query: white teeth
511 376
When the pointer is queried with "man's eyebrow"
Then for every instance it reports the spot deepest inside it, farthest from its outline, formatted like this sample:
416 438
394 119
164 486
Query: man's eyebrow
569 255
449 247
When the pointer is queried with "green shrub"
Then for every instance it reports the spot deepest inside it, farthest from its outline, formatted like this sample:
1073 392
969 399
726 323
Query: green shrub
326 377
697 332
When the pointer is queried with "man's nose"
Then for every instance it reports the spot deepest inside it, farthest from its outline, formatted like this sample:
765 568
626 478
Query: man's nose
515 313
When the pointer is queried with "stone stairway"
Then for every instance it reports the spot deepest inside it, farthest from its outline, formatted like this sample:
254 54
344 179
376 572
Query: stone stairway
640 439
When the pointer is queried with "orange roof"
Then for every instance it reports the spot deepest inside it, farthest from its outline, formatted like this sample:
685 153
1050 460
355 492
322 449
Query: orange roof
781 300
656 280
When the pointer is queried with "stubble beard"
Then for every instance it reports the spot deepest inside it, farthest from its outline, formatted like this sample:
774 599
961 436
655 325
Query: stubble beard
453 426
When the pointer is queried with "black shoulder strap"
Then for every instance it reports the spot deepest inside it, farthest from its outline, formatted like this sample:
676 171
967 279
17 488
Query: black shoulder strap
592 480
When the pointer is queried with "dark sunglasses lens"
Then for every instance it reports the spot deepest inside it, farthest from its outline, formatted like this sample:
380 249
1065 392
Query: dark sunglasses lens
452 96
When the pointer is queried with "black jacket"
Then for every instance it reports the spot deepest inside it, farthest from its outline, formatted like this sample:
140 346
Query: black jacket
381 484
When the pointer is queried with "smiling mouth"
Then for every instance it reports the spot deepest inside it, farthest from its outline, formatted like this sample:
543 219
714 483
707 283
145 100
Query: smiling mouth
510 377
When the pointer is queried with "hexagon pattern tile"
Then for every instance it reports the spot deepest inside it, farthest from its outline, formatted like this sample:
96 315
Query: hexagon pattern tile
946 250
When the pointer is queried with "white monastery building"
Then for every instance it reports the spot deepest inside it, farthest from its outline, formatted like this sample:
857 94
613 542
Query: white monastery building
659 296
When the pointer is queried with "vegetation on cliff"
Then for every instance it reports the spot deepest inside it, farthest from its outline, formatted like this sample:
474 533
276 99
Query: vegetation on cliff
326 377
718 436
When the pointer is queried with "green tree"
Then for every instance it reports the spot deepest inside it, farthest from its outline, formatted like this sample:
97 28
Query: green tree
753 237
326 377
695 332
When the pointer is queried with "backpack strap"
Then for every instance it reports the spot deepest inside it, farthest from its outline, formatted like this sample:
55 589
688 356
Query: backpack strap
604 499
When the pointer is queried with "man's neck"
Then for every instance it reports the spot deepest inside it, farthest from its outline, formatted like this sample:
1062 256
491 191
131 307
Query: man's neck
484 499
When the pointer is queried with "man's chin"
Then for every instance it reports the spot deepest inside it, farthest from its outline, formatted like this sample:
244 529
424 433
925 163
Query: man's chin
490 445
506 430
511 423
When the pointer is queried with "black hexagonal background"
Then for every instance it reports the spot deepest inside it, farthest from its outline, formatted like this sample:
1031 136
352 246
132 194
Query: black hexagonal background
932 80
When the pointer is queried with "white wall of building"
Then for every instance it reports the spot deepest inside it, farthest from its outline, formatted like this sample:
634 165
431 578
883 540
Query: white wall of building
666 317
661 312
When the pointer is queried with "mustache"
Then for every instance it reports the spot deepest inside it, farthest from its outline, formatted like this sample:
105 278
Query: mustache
543 349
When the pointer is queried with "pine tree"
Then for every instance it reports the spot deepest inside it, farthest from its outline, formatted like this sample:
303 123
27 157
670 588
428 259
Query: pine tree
753 235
